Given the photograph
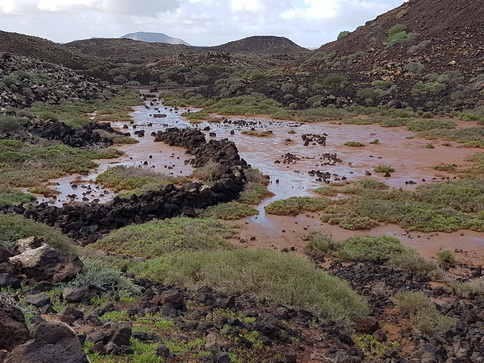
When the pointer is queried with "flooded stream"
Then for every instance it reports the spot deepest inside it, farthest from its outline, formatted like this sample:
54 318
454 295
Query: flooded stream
290 175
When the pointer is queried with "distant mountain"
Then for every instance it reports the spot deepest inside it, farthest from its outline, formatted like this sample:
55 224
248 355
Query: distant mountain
261 45
154 38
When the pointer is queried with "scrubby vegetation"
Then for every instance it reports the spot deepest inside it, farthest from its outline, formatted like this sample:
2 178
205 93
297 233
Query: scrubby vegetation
277 277
14 227
25 164
158 238
137 180
295 205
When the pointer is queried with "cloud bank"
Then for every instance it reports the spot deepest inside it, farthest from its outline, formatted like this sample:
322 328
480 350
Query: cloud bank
309 23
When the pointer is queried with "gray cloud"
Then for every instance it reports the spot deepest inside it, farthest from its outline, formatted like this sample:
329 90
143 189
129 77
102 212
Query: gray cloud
309 23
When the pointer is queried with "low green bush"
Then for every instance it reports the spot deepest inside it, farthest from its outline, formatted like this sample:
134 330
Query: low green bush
371 184
425 125
14 196
446 257
14 227
410 260
229 211
157 238
277 277
295 205
319 244
367 248
383 169
96 273
125 177
354 144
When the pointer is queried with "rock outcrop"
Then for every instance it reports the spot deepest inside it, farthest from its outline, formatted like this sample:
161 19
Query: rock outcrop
51 343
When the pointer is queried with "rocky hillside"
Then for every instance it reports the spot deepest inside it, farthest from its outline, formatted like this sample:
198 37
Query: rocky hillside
154 38
42 49
261 45
126 50
423 51
24 81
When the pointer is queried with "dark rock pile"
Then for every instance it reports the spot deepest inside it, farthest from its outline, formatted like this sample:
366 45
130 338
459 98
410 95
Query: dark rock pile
24 81
87 222
89 136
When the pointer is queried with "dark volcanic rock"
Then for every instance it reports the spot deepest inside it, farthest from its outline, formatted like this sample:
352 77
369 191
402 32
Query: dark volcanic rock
51 343
47 264
86 222
13 330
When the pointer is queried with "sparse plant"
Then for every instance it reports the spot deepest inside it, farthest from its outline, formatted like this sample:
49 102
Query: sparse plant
446 257
319 244
384 169
354 144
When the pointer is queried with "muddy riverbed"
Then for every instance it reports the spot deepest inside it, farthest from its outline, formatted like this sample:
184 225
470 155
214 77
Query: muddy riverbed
293 164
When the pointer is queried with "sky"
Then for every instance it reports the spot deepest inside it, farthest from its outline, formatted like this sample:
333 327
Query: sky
309 23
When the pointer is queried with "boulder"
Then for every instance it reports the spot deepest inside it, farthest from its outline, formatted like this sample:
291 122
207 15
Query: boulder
47 264
13 330
79 294
9 280
4 254
37 300
51 343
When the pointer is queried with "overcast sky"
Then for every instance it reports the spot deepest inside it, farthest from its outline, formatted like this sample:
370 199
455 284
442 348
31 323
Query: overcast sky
309 23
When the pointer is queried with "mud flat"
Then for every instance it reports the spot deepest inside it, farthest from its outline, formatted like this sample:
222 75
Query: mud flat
291 176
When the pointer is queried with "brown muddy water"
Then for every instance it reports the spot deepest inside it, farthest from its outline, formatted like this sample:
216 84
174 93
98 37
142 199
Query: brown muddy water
413 161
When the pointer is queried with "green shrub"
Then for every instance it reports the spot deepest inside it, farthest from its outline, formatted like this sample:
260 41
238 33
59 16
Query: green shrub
430 321
11 123
254 193
411 302
96 273
425 125
295 205
257 133
15 197
397 34
327 191
367 248
410 260
396 29
14 227
354 144
418 47
319 244
445 167
126 177
422 89
401 14
371 184
229 211
157 238
463 288
343 34
414 67
384 169
423 314
277 277
446 257
393 122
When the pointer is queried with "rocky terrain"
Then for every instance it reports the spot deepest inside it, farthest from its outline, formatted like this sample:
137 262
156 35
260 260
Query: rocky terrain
42 49
25 81
148 277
